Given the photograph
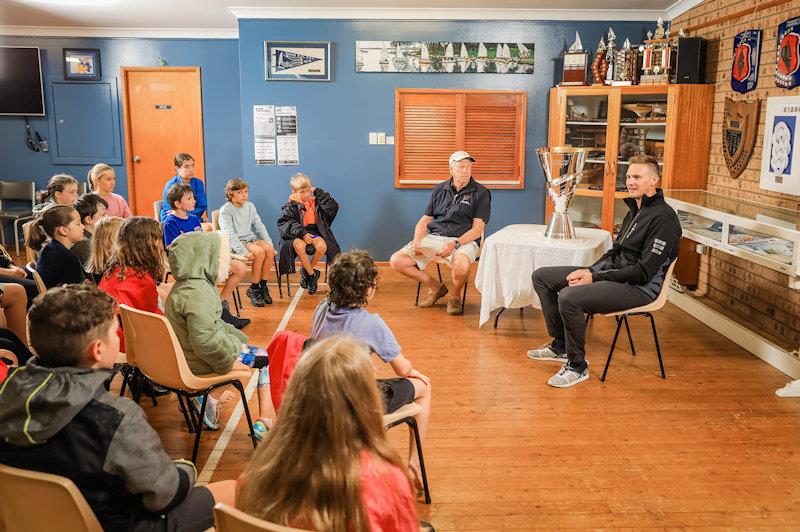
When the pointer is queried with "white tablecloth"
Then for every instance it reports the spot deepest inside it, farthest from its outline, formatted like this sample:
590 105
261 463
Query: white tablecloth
509 257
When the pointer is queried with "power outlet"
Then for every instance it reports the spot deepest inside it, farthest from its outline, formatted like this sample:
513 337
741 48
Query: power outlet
373 138
382 138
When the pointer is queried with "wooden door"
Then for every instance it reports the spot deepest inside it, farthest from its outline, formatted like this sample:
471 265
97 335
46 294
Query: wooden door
163 116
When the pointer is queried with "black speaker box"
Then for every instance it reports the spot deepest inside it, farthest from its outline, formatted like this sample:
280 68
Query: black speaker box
691 64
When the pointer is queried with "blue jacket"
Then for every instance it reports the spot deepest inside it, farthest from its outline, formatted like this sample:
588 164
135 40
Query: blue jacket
199 195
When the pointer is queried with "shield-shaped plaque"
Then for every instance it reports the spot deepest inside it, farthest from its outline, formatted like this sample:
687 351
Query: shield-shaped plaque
787 67
746 52
739 128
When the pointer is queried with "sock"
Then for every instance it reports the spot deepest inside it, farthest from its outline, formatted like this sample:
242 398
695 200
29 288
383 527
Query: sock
255 286
263 283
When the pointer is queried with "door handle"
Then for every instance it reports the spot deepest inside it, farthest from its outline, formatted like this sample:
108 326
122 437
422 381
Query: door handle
137 159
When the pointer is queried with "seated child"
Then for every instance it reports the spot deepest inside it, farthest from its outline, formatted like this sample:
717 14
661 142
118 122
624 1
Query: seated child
62 189
249 237
91 208
181 200
14 308
57 264
184 174
101 181
102 244
199 261
330 427
353 279
11 273
136 267
58 418
305 229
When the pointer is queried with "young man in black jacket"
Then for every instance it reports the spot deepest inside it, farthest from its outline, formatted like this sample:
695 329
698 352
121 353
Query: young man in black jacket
57 417
629 275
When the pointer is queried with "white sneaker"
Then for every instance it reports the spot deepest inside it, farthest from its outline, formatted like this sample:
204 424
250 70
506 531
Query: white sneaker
545 352
567 377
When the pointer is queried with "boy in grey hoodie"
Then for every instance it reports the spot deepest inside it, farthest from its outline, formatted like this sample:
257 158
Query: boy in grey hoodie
57 417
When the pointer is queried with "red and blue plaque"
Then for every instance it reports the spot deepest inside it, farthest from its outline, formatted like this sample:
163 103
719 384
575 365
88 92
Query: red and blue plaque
746 51
786 70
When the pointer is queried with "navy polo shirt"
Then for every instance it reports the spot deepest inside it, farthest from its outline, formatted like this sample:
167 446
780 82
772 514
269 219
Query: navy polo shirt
453 212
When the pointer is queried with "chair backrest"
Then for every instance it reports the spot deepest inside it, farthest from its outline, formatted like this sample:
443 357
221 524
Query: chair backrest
30 256
157 206
215 219
664 294
41 501
158 353
18 191
227 519
31 267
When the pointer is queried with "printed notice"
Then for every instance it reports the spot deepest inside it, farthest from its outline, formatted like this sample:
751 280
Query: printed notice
286 122
264 133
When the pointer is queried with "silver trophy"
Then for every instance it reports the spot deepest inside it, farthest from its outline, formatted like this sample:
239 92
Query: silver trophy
563 169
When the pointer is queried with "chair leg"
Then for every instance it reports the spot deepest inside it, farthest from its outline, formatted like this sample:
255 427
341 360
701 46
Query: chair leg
199 428
589 318
416 301
413 424
16 235
278 273
439 271
464 296
238 386
185 413
658 348
630 338
497 316
288 287
237 301
326 270
611 352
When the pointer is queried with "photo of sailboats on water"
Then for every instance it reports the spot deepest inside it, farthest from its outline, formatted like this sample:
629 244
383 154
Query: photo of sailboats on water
444 57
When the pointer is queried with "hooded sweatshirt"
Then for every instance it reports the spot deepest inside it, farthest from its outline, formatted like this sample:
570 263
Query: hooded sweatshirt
63 421
199 261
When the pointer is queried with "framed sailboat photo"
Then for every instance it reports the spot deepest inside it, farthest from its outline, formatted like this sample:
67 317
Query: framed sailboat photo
297 61
446 57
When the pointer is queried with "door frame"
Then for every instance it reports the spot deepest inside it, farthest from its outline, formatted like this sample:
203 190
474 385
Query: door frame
126 125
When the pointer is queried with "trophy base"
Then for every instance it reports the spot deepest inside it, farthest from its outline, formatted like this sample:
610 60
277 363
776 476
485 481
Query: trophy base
560 226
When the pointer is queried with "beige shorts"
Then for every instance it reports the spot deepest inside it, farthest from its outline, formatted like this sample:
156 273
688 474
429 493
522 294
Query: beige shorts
435 242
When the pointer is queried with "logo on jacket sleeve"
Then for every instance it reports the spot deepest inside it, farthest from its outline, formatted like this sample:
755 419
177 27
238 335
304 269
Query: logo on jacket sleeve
658 246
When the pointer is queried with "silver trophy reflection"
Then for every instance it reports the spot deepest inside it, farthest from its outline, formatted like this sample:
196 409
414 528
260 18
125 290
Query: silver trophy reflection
563 169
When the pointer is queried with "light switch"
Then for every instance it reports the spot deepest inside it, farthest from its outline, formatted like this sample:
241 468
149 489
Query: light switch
373 138
382 138
390 140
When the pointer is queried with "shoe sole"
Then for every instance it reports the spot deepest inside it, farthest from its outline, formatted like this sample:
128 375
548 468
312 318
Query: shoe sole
573 383
562 360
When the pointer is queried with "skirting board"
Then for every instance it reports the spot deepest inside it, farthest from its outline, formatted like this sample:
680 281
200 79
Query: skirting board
767 351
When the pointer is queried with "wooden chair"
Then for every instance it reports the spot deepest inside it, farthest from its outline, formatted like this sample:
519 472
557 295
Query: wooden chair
405 414
41 501
227 519
646 310
160 358
31 267
439 273
30 256
17 192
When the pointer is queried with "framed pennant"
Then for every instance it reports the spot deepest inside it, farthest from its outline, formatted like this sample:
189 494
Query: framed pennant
746 52
788 60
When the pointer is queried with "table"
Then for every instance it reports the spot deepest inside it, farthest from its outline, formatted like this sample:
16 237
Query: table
509 257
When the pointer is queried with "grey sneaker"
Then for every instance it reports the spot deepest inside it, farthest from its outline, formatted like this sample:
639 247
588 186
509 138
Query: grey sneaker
567 377
545 352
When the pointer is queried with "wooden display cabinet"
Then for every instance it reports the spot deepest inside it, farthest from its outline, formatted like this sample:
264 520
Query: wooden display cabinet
673 121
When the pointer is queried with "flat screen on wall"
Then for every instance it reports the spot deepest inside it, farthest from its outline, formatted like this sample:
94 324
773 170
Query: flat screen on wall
21 89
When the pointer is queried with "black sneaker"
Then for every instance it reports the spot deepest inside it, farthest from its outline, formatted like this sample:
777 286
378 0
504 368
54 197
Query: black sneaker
265 295
255 297
316 275
312 283
227 317
303 278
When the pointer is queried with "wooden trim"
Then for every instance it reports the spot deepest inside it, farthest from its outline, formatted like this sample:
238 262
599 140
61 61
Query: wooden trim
744 12
455 91
612 165
126 125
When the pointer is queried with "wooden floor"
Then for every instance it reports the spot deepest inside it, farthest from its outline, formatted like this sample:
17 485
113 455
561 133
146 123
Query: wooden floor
710 446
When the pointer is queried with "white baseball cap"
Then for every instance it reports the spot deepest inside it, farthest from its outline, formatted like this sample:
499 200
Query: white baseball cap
460 156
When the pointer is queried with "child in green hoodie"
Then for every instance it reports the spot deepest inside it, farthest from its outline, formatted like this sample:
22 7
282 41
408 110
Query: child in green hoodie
57 417
199 261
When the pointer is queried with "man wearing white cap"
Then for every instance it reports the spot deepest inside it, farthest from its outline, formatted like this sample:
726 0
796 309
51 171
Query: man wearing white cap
448 232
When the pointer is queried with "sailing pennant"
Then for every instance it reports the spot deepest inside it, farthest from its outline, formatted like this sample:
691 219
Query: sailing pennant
285 60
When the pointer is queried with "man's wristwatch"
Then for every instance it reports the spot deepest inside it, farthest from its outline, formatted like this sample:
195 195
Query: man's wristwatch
457 243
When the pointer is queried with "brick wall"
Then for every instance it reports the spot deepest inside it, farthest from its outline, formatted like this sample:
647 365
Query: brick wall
755 296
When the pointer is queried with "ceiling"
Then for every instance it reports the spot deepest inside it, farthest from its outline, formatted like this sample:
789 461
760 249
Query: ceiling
217 18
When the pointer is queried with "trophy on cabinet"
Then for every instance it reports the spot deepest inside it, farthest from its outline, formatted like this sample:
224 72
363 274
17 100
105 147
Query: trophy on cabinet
576 64
611 53
656 57
625 68
599 65
563 170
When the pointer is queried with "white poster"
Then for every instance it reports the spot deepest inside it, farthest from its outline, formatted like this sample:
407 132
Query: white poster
286 122
780 160
264 133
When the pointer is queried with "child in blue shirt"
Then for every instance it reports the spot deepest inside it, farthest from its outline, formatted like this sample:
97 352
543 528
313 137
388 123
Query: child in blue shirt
181 201
184 173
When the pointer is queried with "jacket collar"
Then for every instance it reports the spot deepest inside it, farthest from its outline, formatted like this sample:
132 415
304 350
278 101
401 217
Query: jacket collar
467 188
646 200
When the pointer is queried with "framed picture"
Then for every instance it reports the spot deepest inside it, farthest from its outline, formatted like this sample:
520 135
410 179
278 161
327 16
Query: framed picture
780 159
82 64
297 61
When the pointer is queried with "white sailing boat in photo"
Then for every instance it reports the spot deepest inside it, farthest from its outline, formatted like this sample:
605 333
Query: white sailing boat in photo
400 62
523 51
482 58
449 61
500 59
424 58
384 61
463 58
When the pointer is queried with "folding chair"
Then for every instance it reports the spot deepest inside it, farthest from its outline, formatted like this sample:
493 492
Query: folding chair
16 191
31 267
466 282
227 519
310 250
405 414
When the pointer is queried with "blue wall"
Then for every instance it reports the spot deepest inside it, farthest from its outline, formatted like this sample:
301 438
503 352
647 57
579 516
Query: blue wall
334 118
219 63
